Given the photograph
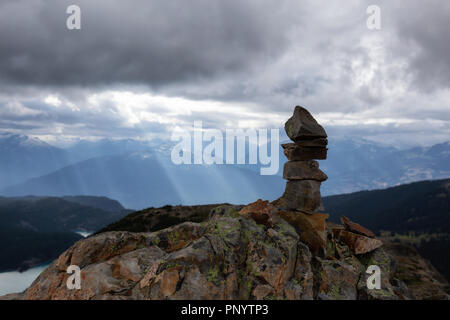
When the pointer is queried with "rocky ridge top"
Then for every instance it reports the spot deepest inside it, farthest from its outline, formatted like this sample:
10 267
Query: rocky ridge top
229 256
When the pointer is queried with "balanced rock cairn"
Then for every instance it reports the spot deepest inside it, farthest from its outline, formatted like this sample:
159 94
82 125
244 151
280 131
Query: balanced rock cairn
304 177
301 202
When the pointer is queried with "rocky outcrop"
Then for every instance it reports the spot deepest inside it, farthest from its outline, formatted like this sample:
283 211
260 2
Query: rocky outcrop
229 256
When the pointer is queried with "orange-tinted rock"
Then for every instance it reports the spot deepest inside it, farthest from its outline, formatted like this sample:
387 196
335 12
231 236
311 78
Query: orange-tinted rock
231 286
359 244
312 228
168 280
303 195
263 212
356 228
303 170
334 226
262 291
150 275
196 286
12 296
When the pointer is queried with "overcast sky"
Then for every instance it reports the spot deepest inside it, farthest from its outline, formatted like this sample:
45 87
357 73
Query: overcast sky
139 68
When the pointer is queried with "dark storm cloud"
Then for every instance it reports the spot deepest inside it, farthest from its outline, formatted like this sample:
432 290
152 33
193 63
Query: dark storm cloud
252 60
138 41
424 39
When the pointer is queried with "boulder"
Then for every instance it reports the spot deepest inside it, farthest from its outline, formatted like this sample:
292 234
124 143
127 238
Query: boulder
302 126
262 212
356 228
295 152
359 244
303 170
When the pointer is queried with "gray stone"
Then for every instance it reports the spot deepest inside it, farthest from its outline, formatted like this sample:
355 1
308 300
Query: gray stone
319 142
302 126
295 152
303 170
337 280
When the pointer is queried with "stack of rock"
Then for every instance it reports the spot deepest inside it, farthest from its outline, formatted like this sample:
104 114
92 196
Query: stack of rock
301 201
304 177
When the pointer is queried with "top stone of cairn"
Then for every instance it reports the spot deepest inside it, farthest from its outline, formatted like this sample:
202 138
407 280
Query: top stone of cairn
302 126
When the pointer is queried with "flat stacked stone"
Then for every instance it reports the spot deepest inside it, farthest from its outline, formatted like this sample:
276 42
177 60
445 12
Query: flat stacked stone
304 177
297 152
303 170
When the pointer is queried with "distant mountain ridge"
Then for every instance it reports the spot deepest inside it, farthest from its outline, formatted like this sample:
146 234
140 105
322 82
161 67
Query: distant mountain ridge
420 207
38 229
353 166
141 174
23 157
143 180
84 149
59 213
103 203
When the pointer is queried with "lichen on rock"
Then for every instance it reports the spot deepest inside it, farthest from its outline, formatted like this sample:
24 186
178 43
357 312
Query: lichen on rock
230 256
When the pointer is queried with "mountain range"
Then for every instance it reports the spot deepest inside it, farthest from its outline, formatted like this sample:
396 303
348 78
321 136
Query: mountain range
140 174
23 157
